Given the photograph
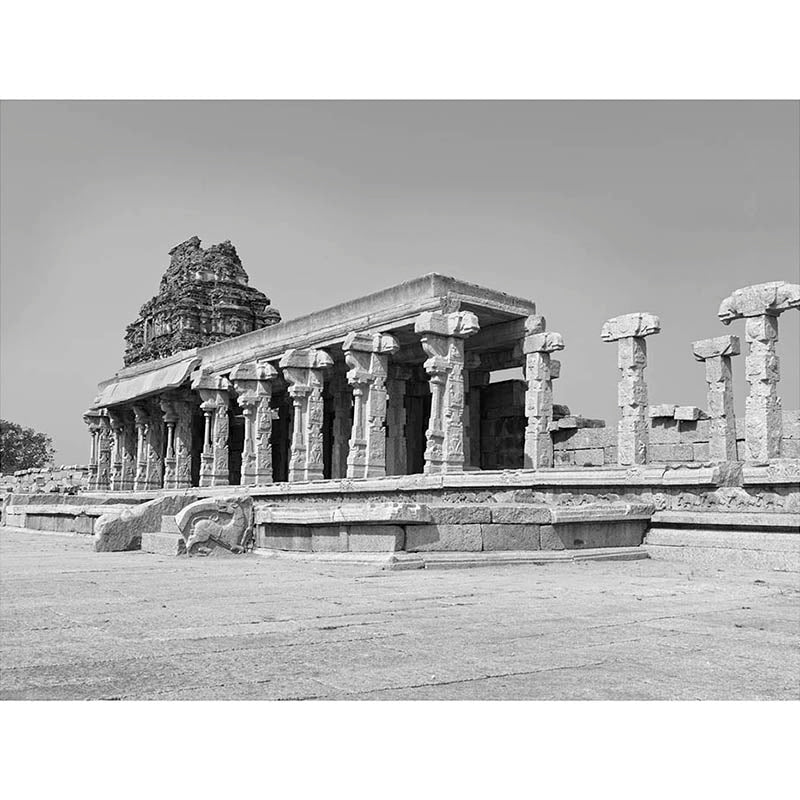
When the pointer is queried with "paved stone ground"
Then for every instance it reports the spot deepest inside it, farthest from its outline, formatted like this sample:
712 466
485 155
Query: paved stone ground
77 624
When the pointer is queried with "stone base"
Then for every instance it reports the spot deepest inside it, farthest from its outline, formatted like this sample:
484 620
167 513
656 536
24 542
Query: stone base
164 544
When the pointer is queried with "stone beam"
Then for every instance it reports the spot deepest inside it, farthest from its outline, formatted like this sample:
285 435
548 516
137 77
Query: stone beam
760 306
367 356
304 372
716 355
442 338
630 331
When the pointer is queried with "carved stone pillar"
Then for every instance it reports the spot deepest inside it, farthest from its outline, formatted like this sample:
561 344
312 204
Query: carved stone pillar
170 420
475 378
342 422
304 372
123 454
442 337
760 307
633 432
92 420
367 355
142 422
537 347
396 447
154 445
214 458
183 409
716 354
253 384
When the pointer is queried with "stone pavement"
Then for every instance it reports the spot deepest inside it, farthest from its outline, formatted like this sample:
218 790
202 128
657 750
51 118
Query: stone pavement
83 625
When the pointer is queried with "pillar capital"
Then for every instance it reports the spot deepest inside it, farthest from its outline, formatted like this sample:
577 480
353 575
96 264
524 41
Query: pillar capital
636 325
717 347
459 324
761 299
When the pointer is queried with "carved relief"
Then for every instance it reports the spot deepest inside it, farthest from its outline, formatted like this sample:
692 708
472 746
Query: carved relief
217 526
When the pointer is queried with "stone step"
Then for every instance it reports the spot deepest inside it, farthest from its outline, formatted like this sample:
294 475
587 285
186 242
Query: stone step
165 544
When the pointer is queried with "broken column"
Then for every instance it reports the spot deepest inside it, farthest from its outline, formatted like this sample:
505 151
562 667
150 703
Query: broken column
630 331
253 384
304 372
760 307
396 445
442 337
716 355
537 347
367 356
213 389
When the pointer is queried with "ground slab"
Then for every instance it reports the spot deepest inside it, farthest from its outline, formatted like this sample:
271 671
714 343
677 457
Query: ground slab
75 624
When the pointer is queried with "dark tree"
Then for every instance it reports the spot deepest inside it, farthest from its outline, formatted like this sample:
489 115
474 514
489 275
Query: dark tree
23 448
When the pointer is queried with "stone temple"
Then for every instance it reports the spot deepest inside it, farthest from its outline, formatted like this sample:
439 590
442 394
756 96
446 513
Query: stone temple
374 430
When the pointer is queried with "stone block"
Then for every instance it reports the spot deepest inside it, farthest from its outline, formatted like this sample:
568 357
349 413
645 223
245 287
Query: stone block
762 299
165 544
689 413
500 536
638 324
284 537
665 410
702 451
664 430
376 538
123 530
328 538
579 535
459 514
717 347
790 448
421 538
590 458
522 514
168 524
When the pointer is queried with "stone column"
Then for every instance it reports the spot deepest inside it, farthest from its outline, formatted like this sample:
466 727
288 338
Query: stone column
633 433
396 447
342 424
760 306
155 447
442 337
142 422
253 384
716 354
367 355
537 347
183 408
104 453
170 420
475 378
304 372
92 420
213 391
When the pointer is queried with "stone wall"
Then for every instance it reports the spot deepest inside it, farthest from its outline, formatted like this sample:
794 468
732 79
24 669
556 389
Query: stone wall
502 425
64 479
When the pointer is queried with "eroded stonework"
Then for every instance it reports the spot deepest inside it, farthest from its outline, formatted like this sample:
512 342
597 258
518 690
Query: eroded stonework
204 298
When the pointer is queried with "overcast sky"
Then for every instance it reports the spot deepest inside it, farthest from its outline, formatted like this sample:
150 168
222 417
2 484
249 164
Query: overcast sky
592 209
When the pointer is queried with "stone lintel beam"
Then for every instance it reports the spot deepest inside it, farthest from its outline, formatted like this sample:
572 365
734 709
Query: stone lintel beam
303 370
633 429
760 307
537 346
771 299
367 356
442 338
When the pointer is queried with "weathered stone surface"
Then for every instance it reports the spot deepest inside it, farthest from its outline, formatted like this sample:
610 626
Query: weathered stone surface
717 347
218 525
578 535
503 536
123 530
521 514
638 324
771 298
375 538
326 514
690 413
204 297
665 410
443 537
164 544
459 514
545 342
459 323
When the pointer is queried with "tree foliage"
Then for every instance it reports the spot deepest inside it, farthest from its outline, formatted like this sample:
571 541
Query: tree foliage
23 448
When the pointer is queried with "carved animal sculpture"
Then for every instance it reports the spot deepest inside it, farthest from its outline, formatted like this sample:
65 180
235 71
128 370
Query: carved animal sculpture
216 522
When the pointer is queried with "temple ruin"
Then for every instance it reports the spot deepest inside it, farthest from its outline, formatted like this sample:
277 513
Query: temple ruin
374 427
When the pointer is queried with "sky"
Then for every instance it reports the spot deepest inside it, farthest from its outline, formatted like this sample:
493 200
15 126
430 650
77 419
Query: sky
591 209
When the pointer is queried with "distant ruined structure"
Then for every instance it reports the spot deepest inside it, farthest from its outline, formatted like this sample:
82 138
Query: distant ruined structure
204 298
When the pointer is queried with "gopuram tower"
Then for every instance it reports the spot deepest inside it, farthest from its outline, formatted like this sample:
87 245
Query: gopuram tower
204 297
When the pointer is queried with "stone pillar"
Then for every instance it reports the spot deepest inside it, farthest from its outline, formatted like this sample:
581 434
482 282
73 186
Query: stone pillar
183 408
92 420
760 306
537 347
716 354
170 421
396 447
342 423
103 482
253 385
304 372
214 458
142 422
367 355
442 337
633 432
123 459
475 378
154 442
